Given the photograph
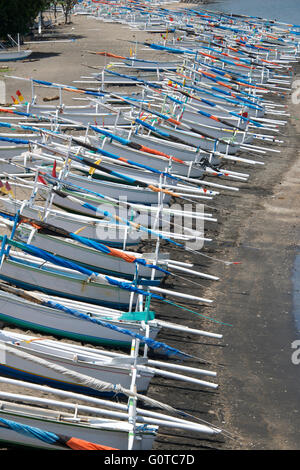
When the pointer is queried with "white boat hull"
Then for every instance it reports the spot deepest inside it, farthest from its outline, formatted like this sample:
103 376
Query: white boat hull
99 431
7 56
89 257
52 321
113 235
37 275
20 367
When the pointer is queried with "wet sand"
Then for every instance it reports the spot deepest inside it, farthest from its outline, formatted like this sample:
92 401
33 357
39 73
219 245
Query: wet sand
258 397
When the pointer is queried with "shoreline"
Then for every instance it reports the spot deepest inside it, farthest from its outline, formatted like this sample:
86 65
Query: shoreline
258 397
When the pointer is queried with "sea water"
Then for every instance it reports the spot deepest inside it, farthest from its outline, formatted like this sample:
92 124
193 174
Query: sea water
287 11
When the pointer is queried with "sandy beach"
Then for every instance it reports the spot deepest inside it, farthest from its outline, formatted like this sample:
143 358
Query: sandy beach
62 57
259 226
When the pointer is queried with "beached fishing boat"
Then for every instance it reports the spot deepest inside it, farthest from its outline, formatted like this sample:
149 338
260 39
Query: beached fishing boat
114 234
79 321
12 56
90 257
158 163
32 273
25 357
133 194
212 102
57 276
24 312
144 65
110 434
57 364
109 424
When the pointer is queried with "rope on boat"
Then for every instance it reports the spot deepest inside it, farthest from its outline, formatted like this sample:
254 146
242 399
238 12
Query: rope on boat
51 438
103 386
87 381
156 345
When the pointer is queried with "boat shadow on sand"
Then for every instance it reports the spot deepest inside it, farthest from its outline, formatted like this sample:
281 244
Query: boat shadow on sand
55 36
41 55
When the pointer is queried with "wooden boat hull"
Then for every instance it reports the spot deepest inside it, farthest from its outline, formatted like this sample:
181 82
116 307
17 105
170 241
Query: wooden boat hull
184 152
133 194
62 110
34 275
142 175
99 431
109 234
7 56
147 66
252 112
146 217
218 133
161 164
13 149
21 368
27 315
88 257
203 143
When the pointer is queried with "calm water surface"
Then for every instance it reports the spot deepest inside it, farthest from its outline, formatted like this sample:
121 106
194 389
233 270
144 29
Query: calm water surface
282 10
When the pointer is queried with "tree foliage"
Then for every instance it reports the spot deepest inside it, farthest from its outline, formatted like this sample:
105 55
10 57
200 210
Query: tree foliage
67 6
18 15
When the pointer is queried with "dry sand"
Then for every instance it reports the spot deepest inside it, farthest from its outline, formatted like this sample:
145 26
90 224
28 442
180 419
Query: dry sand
258 398
65 59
